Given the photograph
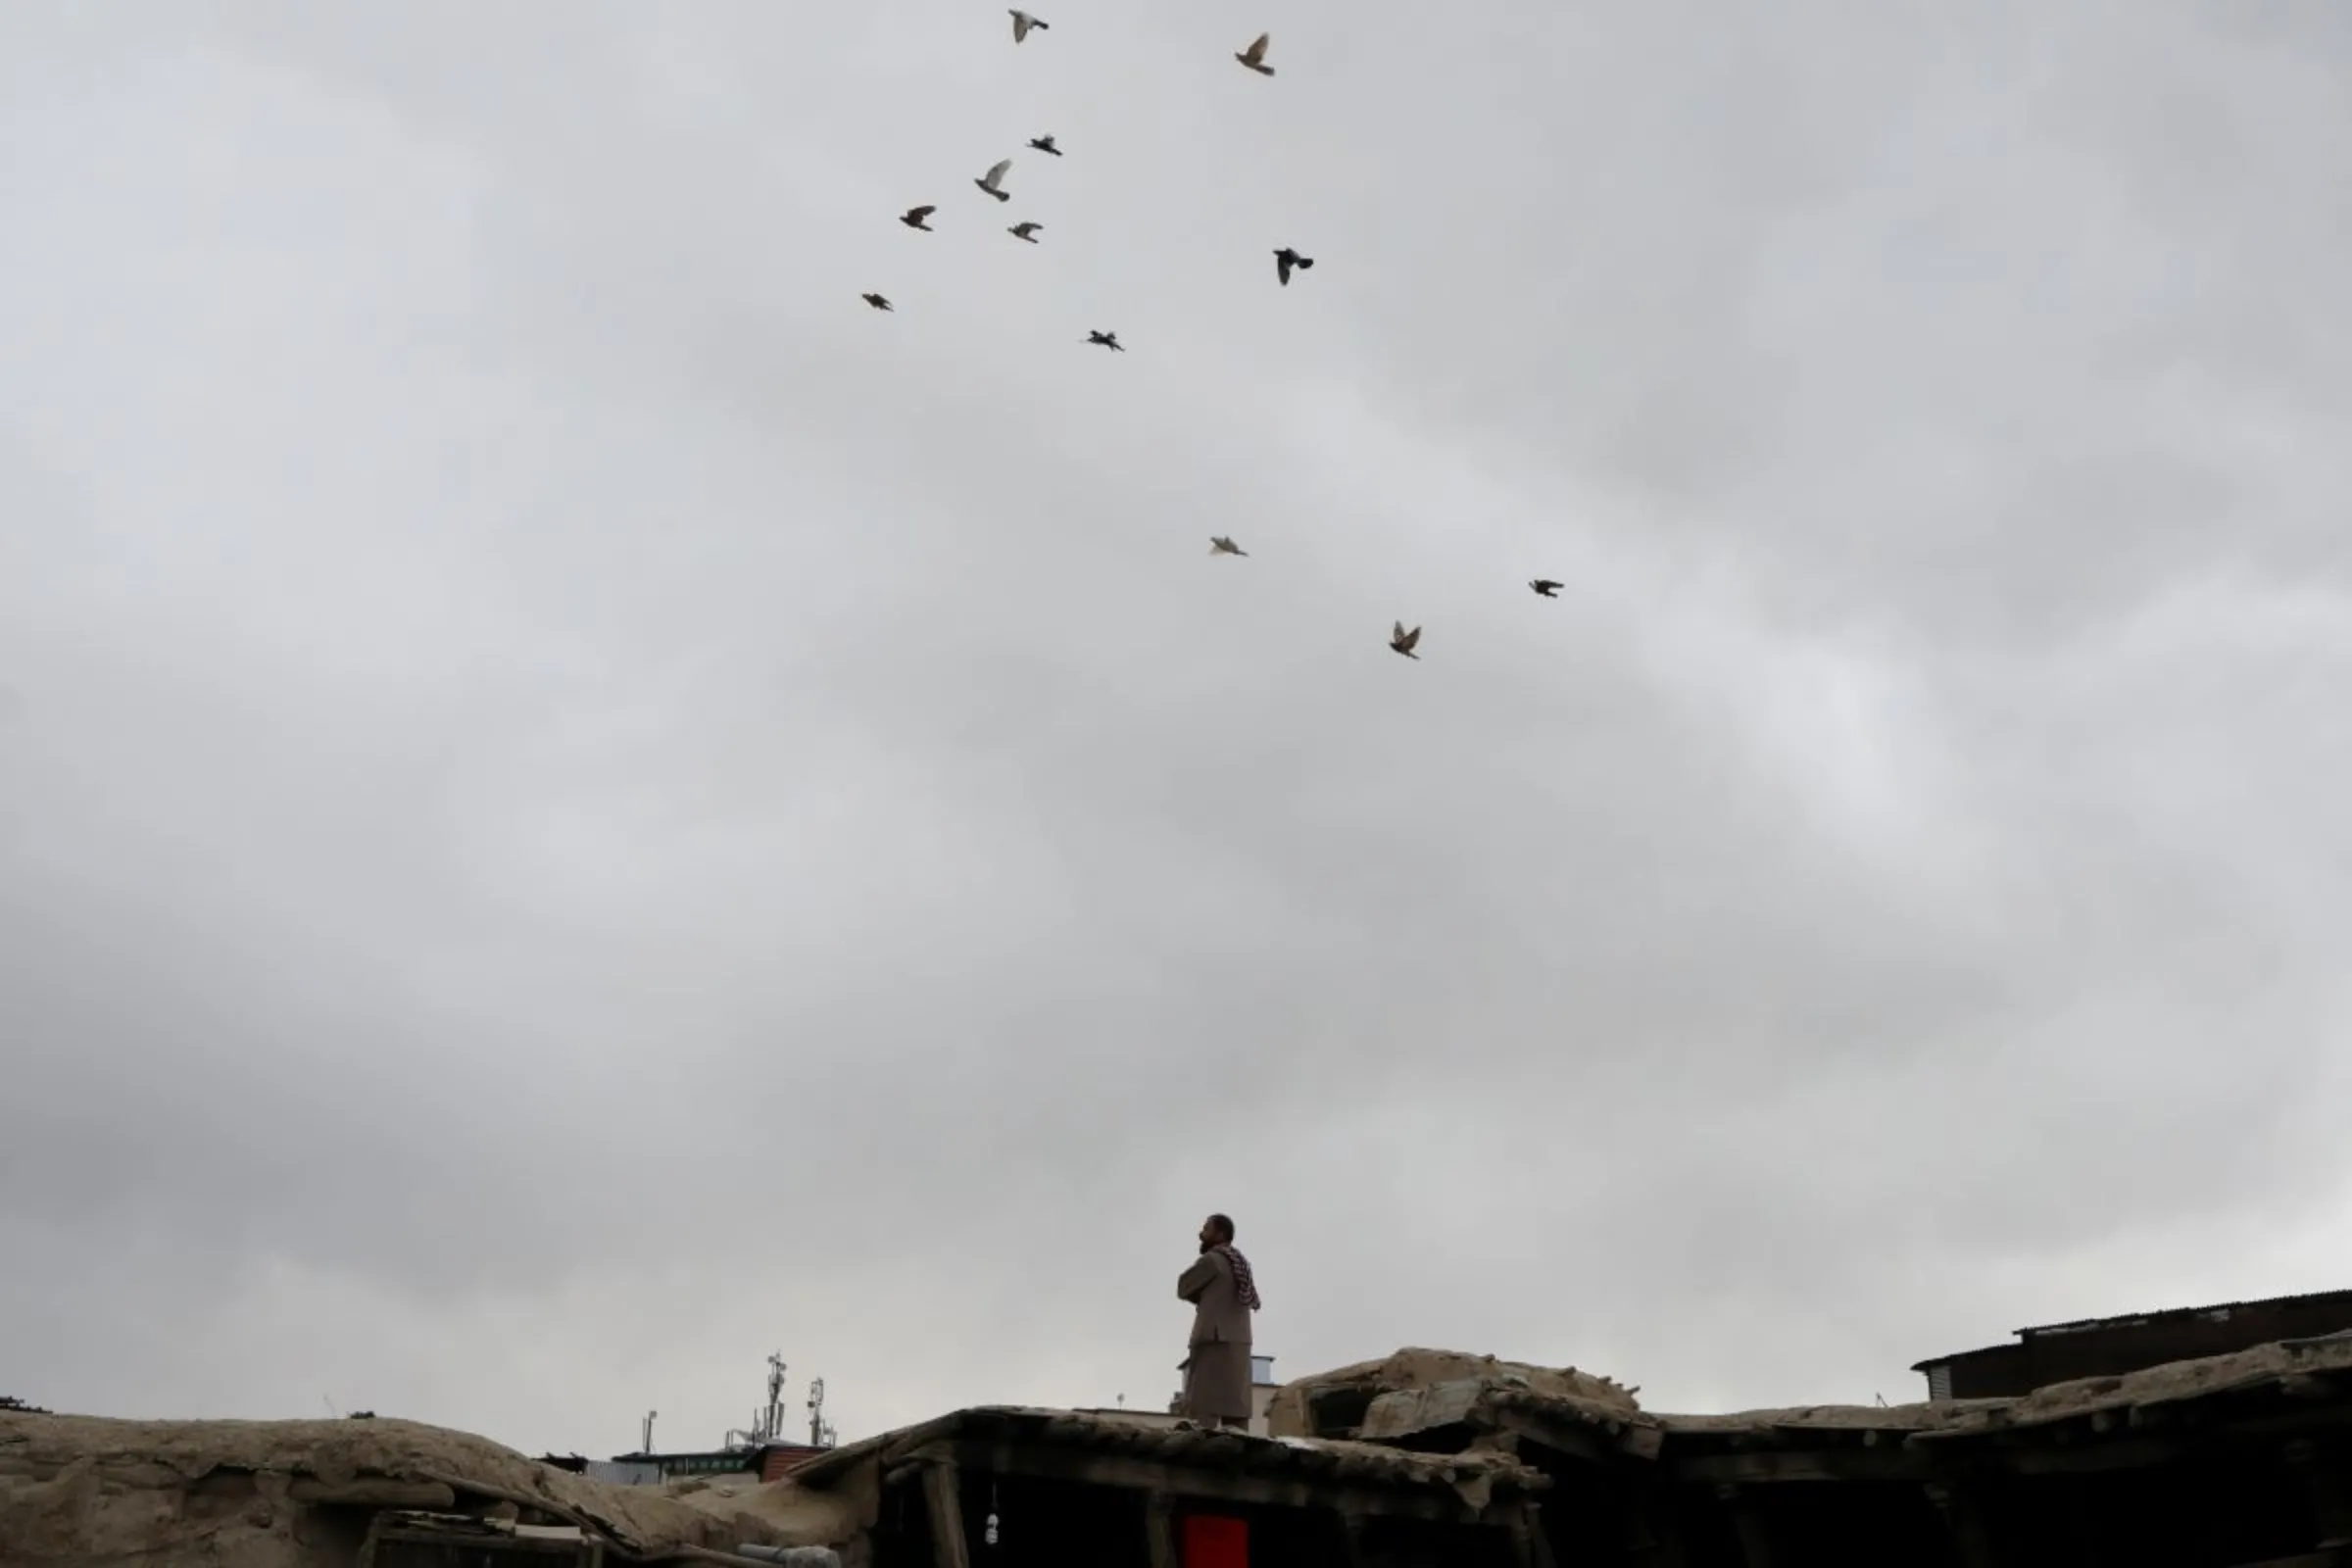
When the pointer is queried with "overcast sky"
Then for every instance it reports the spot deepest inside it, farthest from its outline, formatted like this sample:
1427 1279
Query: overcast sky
577 807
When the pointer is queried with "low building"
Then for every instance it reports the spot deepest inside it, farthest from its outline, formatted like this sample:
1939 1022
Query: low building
1425 1459
2235 1461
1019 1487
2110 1347
770 1461
631 1469
780 1459
1264 1385
1262 1388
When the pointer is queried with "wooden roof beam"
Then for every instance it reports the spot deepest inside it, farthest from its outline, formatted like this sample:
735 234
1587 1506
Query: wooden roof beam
943 1501
1774 1466
1431 1500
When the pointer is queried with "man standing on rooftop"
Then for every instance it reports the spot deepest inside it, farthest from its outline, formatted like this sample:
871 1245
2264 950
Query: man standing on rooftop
1223 1293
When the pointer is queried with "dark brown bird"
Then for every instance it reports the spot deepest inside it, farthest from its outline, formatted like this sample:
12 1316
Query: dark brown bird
1254 57
1404 641
876 300
916 216
1285 259
1109 340
1045 144
1546 587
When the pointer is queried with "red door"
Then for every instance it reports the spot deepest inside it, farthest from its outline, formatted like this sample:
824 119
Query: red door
1209 1540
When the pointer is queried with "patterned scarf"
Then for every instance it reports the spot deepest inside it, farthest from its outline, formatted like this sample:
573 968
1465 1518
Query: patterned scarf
1244 1284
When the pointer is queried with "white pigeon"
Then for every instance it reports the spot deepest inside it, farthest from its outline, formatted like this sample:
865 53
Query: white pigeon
1025 230
1023 22
993 181
1254 57
1220 545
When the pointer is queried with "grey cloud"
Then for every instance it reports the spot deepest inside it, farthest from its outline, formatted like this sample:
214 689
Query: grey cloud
563 772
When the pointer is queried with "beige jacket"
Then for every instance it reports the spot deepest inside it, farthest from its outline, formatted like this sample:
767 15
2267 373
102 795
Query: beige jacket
1218 1315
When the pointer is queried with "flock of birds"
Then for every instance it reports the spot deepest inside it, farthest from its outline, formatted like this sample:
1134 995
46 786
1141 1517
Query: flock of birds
1286 261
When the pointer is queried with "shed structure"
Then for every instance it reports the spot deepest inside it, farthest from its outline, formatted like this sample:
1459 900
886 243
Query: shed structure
2109 1346
1018 1487
2235 1461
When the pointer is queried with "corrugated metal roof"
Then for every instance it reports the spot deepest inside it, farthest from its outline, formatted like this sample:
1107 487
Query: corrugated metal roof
2174 1313
780 1459
2170 1314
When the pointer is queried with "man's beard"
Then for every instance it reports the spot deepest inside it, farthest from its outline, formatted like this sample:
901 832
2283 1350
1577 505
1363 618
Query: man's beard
1206 1244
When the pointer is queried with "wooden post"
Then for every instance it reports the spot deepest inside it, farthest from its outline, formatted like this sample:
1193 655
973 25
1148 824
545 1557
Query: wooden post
1649 1529
1159 1530
942 1496
1966 1520
2086 1526
1755 1541
1523 1542
2328 1488
1536 1545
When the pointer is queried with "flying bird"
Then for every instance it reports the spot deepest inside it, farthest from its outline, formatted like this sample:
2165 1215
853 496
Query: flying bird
1023 22
1026 230
916 216
1546 587
1045 144
1285 259
1110 340
1220 545
993 181
877 302
1254 57
1404 641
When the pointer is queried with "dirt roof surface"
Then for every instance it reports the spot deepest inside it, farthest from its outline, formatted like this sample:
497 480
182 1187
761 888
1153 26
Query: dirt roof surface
93 1490
1425 1383
2059 1401
1413 1375
96 1492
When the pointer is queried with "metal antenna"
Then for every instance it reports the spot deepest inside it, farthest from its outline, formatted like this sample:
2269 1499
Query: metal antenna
816 1413
645 1443
771 1424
